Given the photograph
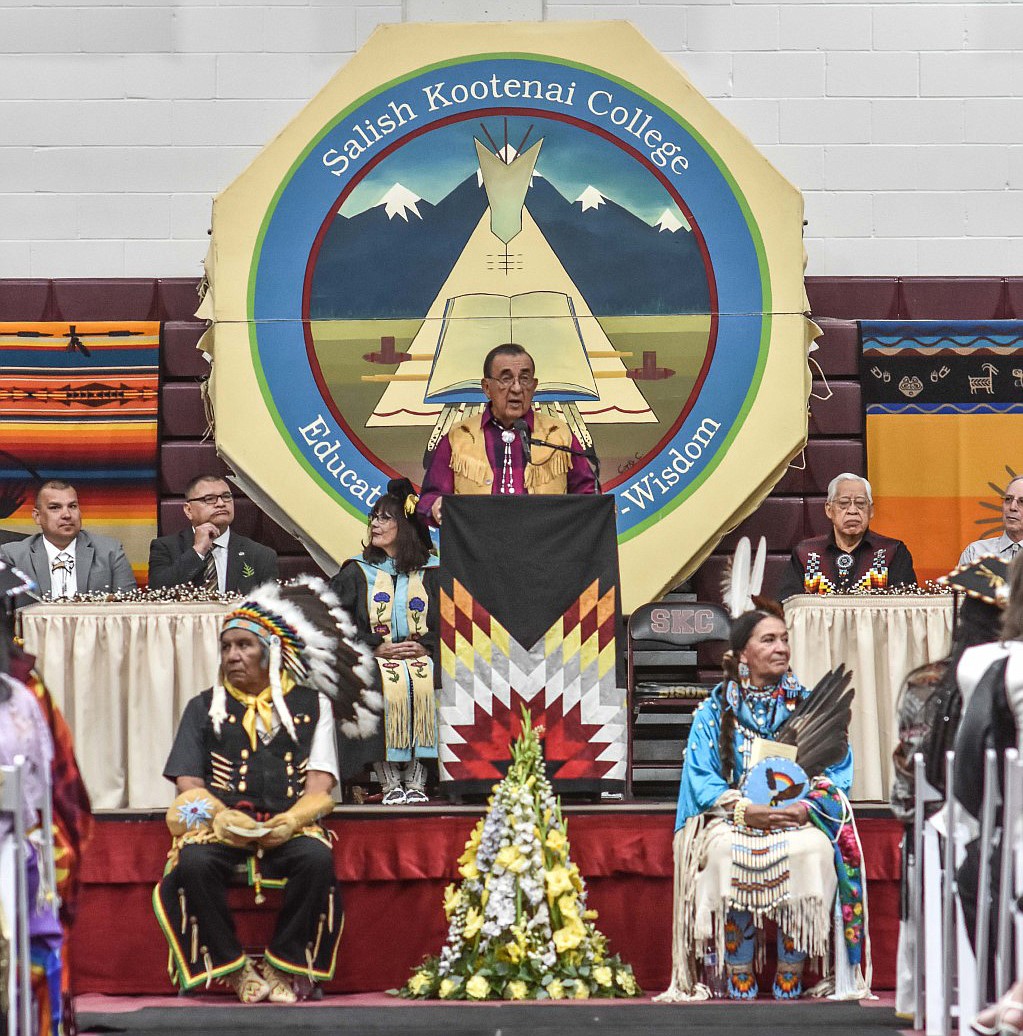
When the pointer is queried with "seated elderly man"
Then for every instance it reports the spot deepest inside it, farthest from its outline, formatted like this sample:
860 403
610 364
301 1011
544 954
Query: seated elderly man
852 556
254 762
1007 545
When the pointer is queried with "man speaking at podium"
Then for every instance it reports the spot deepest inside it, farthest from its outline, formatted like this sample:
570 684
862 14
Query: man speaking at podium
492 454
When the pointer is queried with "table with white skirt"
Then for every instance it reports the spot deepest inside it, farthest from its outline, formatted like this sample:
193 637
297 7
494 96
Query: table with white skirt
881 638
122 675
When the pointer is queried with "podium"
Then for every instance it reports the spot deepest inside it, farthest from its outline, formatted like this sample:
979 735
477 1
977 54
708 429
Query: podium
530 615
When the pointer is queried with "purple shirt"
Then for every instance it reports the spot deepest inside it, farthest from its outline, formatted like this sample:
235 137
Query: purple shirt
440 479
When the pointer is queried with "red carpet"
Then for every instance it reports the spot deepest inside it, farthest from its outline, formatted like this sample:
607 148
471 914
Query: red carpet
394 871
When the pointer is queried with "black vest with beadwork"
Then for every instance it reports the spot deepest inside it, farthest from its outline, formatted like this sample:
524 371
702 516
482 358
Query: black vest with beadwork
270 779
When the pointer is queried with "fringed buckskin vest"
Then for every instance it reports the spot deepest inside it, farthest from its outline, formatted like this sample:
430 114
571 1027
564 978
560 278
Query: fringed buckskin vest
548 472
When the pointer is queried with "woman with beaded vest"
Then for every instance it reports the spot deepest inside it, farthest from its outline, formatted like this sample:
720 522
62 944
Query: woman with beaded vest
391 591
739 863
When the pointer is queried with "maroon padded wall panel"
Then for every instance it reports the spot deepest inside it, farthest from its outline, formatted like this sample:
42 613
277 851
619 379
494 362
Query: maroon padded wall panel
25 300
824 458
178 298
854 298
180 357
952 298
1014 298
181 410
838 352
779 518
841 414
181 461
103 299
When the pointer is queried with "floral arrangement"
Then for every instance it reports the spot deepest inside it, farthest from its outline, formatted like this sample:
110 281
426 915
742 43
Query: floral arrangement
519 927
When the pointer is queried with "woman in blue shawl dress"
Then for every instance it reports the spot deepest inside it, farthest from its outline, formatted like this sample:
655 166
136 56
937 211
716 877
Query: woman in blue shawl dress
391 591
738 863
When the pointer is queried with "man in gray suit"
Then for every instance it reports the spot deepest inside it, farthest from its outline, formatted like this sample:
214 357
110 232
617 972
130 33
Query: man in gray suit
62 557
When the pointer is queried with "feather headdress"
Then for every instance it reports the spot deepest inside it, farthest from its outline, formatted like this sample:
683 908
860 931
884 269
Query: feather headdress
311 637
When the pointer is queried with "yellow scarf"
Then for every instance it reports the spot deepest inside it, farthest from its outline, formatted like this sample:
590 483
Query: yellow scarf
260 704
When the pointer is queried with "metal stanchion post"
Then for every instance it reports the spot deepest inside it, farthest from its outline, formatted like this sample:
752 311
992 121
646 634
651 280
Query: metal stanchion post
984 864
915 876
1012 803
947 902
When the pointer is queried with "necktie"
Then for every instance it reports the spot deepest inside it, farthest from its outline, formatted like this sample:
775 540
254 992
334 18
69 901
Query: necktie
63 563
209 576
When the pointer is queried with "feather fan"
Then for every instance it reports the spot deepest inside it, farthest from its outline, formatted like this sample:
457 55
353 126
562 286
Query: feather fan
819 724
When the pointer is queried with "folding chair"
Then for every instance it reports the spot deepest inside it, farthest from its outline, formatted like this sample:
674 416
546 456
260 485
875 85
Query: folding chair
664 686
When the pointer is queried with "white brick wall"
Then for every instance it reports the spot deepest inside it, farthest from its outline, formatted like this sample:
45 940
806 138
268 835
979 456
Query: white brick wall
901 121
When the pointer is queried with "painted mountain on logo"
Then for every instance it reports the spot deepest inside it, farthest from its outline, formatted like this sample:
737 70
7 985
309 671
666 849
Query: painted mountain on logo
391 260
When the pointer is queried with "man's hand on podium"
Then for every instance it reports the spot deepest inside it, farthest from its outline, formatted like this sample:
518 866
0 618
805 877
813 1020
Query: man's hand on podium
435 510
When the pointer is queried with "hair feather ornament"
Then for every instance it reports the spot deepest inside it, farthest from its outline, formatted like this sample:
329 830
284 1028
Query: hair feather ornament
744 577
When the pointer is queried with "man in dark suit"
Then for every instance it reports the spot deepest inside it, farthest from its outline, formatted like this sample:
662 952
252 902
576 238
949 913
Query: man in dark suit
62 557
208 553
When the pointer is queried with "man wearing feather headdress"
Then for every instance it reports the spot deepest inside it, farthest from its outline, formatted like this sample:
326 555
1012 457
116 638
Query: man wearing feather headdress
763 827
852 556
254 762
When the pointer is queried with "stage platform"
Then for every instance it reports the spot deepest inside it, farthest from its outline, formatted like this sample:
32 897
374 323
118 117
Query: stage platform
378 1014
394 865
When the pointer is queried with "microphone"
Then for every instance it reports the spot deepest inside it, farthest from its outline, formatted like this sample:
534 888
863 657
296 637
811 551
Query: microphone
524 437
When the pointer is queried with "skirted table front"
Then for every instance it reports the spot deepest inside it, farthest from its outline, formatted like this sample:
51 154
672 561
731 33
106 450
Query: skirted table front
122 675
881 638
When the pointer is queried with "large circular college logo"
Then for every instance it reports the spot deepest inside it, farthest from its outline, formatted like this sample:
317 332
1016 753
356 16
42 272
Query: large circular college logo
578 197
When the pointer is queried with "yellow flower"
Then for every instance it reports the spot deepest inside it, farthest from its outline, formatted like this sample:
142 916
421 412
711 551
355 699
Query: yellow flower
582 991
447 987
603 976
477 987
473 922
590 915
567 938
511 859
469 855
556 841
512 951
516 990
575 877
569 907
419 983
556 991
558 881
452 901
469 870
627 981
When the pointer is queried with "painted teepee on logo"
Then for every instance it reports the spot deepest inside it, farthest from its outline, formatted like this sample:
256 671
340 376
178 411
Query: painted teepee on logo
518 924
